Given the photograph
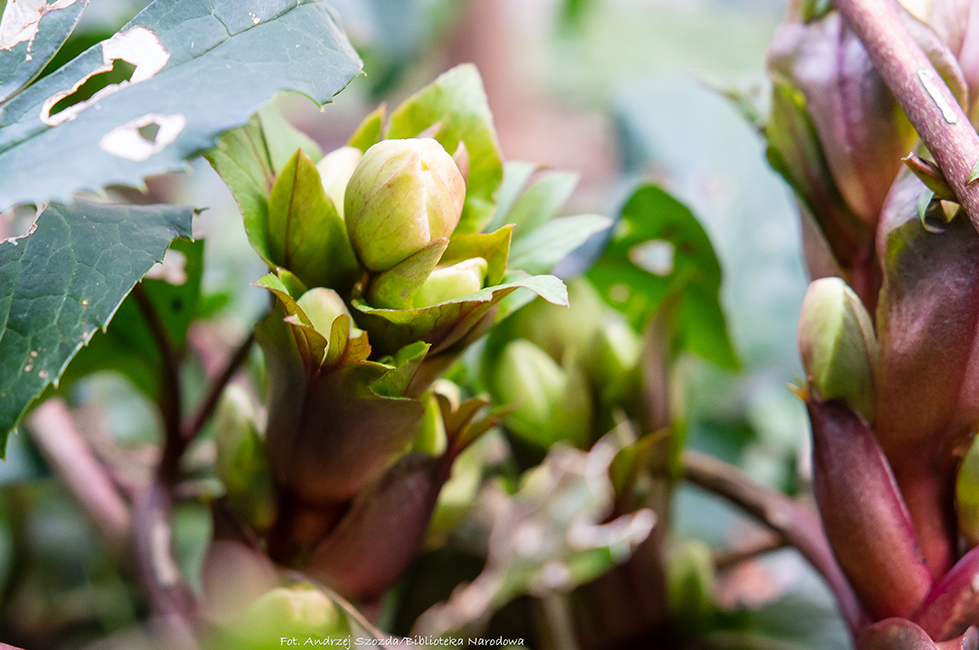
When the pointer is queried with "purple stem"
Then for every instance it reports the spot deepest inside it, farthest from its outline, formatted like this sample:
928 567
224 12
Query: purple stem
919 89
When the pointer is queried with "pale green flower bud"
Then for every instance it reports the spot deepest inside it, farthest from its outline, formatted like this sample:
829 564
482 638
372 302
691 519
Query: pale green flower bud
451 282
837 345
549 404
242 464
300 611
402 196
322 306
335 170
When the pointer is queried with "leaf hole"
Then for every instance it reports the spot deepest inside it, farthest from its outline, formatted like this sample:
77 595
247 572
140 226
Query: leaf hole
149 132
121 71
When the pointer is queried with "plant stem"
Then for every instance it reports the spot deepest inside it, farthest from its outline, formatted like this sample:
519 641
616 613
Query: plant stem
171 598
918 88
169 397
65 450
192 428
799 527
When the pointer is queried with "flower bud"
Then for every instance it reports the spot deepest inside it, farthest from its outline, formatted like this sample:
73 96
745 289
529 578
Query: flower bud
335 170
403 195
837 345
322 306
452 282
299 611
242 464
549 404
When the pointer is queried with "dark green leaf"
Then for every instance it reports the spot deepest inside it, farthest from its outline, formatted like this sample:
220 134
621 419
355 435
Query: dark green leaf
127 346
658 249
225 61
66 280
539 250
20 63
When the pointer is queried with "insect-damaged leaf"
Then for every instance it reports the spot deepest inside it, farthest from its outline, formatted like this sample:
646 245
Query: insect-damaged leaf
66 280
30 35
201 67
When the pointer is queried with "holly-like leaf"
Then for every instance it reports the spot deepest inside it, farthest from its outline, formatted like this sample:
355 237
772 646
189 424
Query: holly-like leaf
27 46
127 346
65 281
541 201
201 67
455 104
659 249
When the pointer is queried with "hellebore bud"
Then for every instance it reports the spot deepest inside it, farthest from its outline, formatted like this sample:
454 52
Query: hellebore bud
452 282
837 345
403 195
322 306
242 464
335 170
550 404
300 611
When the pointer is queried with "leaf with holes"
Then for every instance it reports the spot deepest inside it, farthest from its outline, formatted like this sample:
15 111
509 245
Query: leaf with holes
65 281
659 249
184 71
31 33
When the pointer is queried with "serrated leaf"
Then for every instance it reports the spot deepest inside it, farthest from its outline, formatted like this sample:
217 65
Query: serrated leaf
127 345
65 281
456 102
23 60
539 250
658 249
225 61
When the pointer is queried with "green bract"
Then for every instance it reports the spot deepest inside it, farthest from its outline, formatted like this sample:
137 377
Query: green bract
403 195
837 345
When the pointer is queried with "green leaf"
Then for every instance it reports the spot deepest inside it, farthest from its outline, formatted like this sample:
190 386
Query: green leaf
448 323
20 63
127 346
516 175
306 235
539 250
66 280
369 132
541 201
659 249
456 102
225 61
282 139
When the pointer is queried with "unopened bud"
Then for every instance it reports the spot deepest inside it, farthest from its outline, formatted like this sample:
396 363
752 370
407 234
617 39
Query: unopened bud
403 195
242 464
452 282
322 306
549 403
335 170
300 611
837 345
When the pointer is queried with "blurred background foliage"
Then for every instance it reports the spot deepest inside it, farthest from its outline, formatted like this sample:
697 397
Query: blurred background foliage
614 90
